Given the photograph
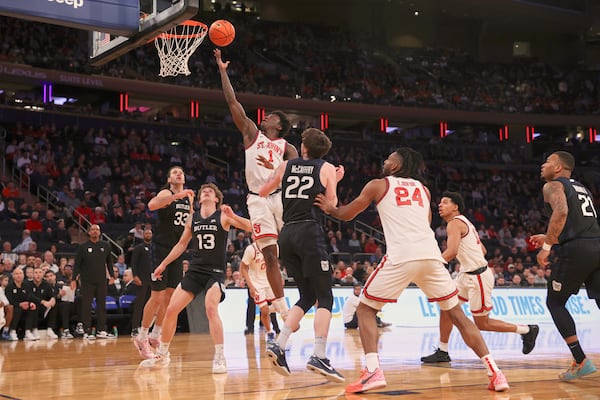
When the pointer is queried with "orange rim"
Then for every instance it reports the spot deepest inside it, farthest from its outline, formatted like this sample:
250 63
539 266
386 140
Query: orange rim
189 22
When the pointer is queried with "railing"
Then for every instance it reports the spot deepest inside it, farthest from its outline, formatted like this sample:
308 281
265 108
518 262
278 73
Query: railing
219 163
80 221
376 234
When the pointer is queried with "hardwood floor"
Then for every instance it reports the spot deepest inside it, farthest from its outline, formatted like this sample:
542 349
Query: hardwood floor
108 369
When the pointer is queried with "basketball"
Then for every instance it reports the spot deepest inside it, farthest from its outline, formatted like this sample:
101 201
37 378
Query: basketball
221 33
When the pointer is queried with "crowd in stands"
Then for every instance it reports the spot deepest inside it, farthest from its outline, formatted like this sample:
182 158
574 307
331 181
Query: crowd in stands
325 63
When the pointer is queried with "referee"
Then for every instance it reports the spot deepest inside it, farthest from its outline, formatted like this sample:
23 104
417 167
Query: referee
93 267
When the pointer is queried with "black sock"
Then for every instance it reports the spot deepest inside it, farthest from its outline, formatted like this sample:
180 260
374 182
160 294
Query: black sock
577 352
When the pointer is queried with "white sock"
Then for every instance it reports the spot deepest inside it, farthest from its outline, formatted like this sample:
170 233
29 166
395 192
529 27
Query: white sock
219 349
156 331
372 360
444 346
320 345
143 333
522 329
284 335
163 348
489 364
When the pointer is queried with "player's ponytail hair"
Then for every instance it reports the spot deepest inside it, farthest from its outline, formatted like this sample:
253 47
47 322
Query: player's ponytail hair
413 165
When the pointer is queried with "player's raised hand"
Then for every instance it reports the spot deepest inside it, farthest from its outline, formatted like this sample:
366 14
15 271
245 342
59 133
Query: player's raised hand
227 210
263 162
220 63
185 192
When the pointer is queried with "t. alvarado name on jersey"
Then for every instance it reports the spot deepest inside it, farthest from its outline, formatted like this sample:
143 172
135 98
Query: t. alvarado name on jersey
302 169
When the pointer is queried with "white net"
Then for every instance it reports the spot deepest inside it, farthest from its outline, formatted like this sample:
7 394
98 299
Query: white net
176 45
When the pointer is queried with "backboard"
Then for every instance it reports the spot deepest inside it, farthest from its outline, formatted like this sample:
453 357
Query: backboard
155 16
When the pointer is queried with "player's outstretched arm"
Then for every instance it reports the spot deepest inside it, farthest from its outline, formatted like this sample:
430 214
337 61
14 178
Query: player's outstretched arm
229 219
244 124
372 191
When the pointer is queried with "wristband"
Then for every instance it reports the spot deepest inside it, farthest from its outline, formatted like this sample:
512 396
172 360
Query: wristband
546 246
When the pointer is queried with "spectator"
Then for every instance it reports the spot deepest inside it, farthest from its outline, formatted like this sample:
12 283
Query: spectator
10 191
26 241
60 235
98 217
370 246
8 253
349 279
33 224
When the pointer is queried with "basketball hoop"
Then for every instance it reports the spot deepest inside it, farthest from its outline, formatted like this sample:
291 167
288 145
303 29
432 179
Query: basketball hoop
176 45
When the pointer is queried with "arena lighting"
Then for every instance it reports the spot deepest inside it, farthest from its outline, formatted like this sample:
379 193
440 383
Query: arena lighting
194 109
383 124
503 133
260 115
123 101
443 129
530 134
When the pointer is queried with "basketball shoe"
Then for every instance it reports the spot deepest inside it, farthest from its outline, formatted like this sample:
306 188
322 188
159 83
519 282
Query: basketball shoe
498 382
154 340
529 338
322 366
277 357
437 356
158 360
219 365
367 381
143 348
576 371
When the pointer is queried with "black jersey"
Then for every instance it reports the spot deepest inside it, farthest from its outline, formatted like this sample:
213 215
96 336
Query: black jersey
582 219
209 243
170 221
300 186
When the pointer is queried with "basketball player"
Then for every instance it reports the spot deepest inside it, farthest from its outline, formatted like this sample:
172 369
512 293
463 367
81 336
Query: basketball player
254 271
265 150
302 246
173 205
475 280
208 229
403 203
573 225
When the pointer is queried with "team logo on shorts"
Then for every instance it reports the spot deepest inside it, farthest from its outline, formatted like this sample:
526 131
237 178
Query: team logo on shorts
256 228
325 265
556 286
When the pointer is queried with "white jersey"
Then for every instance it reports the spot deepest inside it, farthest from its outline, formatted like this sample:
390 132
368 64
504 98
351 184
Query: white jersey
404 212
272 150
257 269
470 254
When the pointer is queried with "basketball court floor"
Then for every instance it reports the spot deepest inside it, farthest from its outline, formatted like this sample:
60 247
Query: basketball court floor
108 369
